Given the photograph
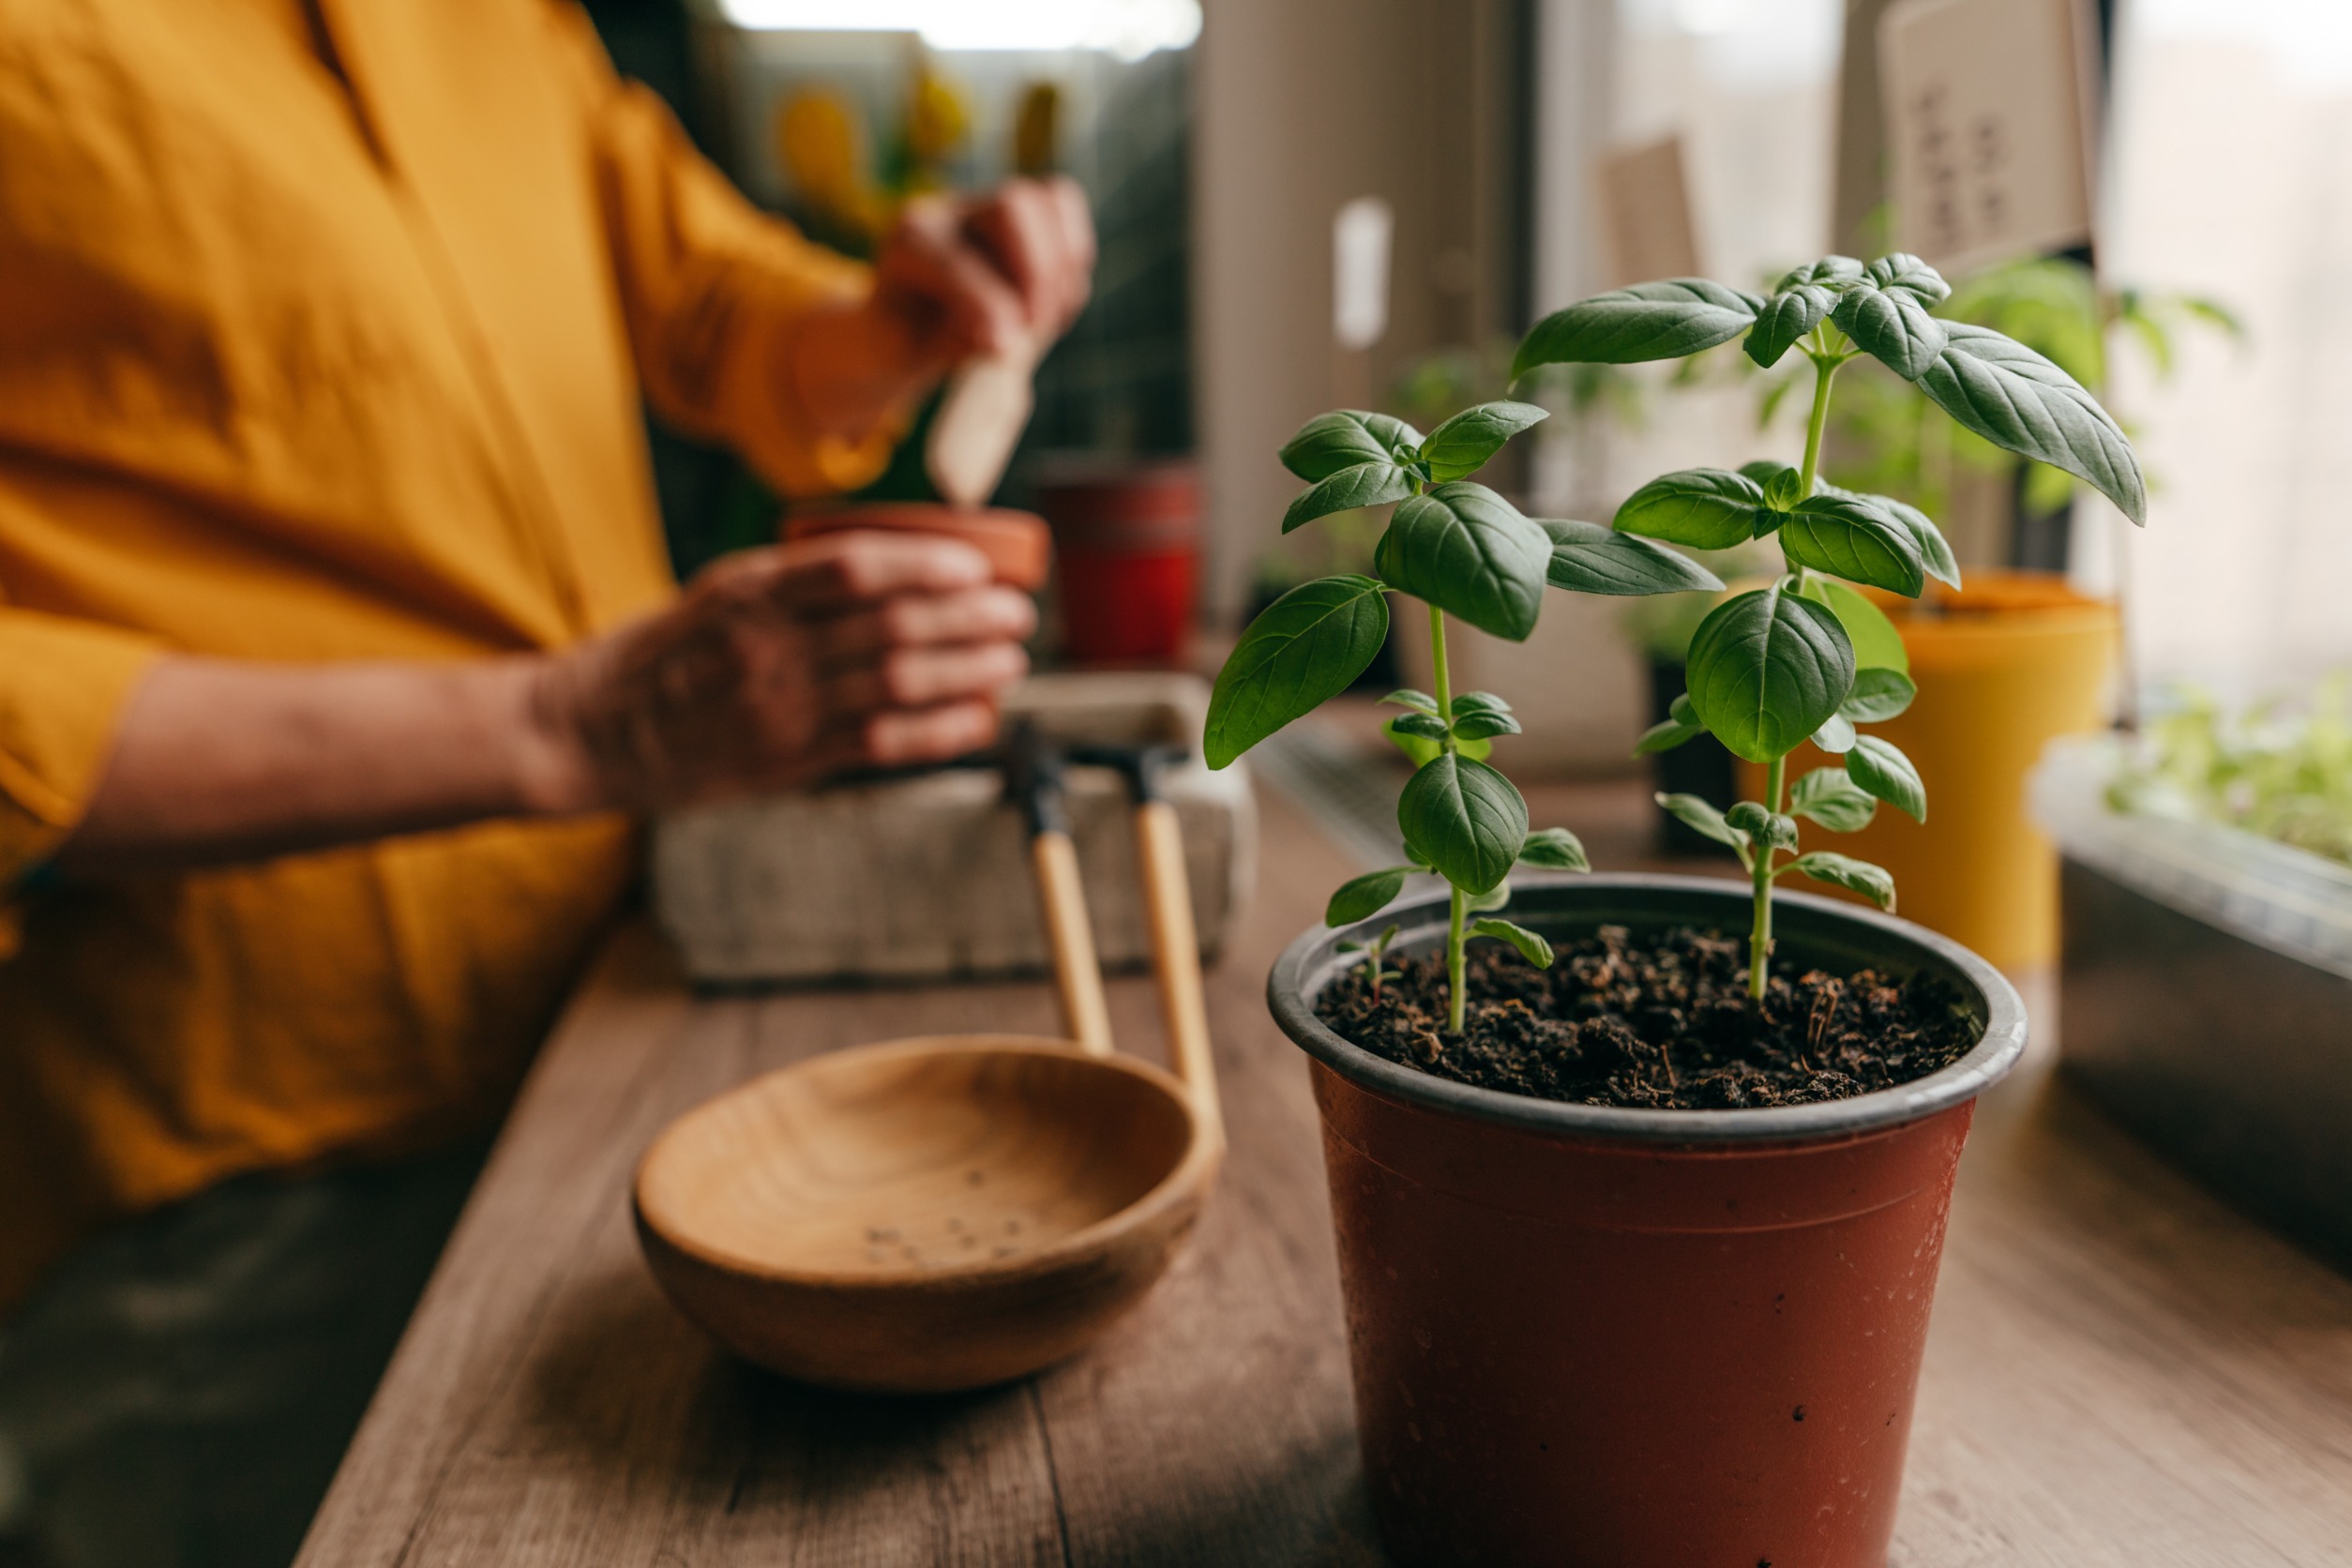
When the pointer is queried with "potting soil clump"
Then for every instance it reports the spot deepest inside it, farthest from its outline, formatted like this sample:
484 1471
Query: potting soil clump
1659 1020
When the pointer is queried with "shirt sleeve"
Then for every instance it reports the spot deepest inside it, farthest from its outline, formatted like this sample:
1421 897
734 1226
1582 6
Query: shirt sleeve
713 289
62 683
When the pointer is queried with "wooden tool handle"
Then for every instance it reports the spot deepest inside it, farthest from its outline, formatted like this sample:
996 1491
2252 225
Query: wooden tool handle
1176 951
1076 974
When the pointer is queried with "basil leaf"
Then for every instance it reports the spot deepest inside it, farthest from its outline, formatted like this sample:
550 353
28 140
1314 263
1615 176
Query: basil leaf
1834 273
1468 551
1405 697
1857 876
1878 766
1681 711
1364 897
1331 442
1480 702
2020 401
1760 826
1709 508
1876 643
1934 553
1535 949
1460 447
1784 482
1484 725
1892 327
1649 321
1421 749
1879 695
1836 734
1788 316
1428 726
1588 558
1707 819
1466 818
1901 271
1494 897
1853 539
1308 647
1829 797
1665 735
1554 848
1365 483
1765 669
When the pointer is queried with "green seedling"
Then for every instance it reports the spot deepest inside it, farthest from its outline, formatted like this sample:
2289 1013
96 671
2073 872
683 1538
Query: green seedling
1808 658
1374 958
1466 552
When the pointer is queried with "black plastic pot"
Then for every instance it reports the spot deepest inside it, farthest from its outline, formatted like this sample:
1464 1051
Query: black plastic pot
1593 1335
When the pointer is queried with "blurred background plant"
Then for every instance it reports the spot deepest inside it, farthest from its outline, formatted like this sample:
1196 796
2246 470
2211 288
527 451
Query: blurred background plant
2278 768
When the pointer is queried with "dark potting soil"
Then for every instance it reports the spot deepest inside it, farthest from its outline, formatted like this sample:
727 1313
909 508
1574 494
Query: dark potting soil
1658 1021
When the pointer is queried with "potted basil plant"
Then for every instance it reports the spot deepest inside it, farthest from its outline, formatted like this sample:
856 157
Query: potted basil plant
1640 1192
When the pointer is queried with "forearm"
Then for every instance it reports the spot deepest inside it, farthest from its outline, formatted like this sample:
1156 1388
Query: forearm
219 760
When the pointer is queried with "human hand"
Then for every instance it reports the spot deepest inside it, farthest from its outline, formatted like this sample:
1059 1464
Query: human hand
779 665
956 278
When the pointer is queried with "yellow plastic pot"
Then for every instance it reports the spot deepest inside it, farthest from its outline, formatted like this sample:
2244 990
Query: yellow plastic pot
2004 666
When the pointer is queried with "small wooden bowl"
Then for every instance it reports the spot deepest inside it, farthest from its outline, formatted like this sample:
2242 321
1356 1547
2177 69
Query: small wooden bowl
928 1214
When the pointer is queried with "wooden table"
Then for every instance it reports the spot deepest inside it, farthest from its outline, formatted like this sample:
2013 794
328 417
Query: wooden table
2121 1371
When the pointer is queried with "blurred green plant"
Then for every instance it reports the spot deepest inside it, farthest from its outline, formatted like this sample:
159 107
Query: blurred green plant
1885 437
2277 769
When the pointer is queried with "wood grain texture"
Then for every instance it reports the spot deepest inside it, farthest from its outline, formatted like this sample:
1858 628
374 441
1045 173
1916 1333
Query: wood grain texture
2120 1374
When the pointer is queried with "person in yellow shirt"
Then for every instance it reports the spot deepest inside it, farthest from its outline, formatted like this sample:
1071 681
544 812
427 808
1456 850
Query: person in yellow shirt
338 650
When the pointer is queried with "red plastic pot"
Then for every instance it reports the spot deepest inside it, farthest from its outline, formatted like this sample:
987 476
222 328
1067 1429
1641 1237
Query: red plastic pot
1128 541
1589 1336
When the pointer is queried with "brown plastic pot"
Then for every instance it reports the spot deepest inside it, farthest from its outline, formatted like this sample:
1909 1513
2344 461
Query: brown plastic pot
1591 1336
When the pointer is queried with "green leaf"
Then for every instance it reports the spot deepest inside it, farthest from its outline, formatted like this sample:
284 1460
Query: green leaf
1935 552
1681 711
1494 897
1405 697
1879 767
1760 826
1665 735
1535 949
1308 647
1836 273
1460 447
1468 551
1466 818
1421 748
1784 484
1480 702
1554 848
1876 642
1709 508
1902 272
1788 316
1879 695
1649 321
1893 327
2020 401
1360 897
1707 819
1836 734
1853 539
1827 796
1766 669
1588 558
1344 438
1484 725
1366 484
1428 726
1858 876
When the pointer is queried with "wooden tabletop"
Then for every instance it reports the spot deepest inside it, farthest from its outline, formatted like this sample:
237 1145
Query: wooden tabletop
2121 1372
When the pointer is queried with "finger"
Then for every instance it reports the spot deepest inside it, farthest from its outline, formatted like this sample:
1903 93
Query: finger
937 734
837 572
1021 228
924 677
929 257
991 614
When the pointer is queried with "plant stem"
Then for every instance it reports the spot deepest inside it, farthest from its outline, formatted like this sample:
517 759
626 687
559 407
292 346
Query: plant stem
1457 994
1823 369
1760 935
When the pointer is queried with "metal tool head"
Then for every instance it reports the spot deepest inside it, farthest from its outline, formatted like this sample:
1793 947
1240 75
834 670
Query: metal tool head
1033 778
1142 766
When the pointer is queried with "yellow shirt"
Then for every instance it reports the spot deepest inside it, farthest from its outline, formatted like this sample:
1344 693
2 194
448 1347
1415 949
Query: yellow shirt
323 338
